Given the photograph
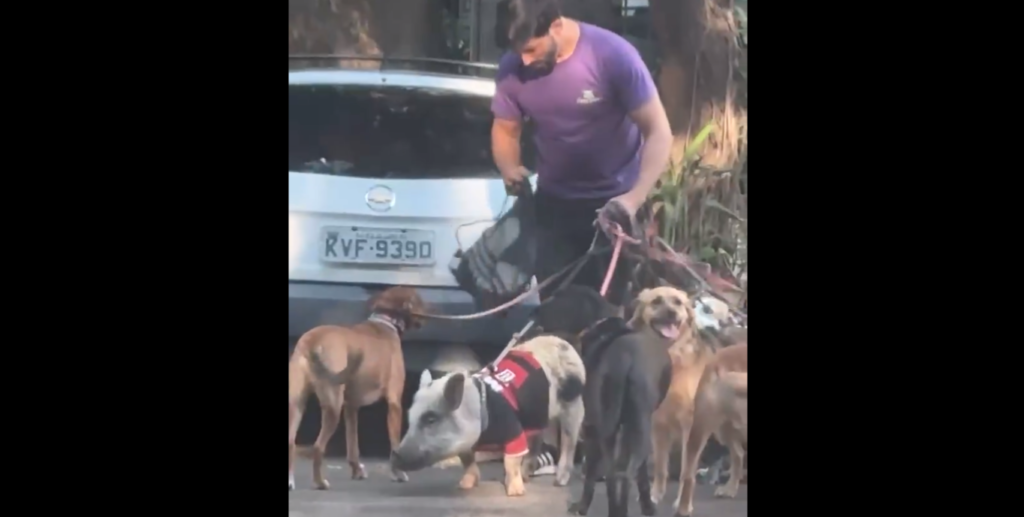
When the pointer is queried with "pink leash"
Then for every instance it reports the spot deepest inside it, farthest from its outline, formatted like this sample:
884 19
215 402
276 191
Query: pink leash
619 237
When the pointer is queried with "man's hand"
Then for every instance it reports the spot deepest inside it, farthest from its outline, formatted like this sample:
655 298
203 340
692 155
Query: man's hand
630 201
505 147
620 210
515 176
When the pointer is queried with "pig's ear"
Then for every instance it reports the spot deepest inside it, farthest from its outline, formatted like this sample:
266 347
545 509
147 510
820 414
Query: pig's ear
425 379
453 391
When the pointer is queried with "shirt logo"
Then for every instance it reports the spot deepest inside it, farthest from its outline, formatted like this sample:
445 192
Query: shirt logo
587 97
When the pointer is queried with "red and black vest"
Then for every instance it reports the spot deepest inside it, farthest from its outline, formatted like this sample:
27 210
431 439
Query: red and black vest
517 395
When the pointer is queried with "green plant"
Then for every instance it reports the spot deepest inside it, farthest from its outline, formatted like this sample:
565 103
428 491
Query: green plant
701 211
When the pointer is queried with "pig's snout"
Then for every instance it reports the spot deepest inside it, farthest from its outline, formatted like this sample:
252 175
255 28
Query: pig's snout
400 462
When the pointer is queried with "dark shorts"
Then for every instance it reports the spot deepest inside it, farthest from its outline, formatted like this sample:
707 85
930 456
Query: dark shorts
565 231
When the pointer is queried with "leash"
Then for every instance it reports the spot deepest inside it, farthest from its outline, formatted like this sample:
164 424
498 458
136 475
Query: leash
574 266
704 287
619 237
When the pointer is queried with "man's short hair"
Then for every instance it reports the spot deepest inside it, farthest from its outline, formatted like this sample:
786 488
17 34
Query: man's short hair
530 19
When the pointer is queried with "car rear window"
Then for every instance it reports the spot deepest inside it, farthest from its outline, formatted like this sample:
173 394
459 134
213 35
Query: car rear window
390 132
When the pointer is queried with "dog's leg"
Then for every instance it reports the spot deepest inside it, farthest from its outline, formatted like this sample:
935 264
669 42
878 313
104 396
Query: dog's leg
472 474
643 486
297 394
395 431
661 440
591 464
732 487
514 476
294 419
694 446
617 478
570 423
635 451
352 442
638 446
330 411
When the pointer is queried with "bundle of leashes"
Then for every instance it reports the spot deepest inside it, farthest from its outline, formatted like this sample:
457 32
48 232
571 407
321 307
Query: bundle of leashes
483 258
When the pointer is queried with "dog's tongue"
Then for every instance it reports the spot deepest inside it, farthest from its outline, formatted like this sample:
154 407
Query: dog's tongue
668 331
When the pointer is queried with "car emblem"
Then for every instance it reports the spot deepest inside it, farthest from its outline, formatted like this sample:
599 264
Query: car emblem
380 198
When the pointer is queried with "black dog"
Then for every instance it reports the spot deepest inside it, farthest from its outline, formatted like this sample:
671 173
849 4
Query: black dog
569 312
628 375
566 314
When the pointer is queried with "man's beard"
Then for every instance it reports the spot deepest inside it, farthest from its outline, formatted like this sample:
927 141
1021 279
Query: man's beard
546 63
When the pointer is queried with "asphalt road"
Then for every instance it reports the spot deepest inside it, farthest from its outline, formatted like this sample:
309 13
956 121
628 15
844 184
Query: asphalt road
435 493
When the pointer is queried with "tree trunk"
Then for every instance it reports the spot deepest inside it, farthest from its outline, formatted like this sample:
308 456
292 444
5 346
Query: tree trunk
408 28
697 41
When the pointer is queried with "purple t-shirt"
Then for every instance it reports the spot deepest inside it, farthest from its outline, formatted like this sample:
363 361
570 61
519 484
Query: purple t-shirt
587 146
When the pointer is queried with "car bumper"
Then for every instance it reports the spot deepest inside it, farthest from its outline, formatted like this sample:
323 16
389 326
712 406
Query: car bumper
312 304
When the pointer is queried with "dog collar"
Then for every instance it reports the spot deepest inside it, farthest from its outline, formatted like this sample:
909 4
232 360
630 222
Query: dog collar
397 325
483 402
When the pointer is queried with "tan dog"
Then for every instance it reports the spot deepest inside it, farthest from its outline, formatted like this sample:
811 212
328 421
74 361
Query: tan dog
669 313
368 359
720 408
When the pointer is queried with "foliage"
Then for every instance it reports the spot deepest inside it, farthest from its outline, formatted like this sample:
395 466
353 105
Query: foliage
701 211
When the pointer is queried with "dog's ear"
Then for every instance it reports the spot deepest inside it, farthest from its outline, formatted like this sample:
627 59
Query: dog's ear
629 311
374 301
410 301
633 308
386 300
425 379
408 306
453 391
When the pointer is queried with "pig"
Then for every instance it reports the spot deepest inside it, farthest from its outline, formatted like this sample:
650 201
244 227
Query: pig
540 381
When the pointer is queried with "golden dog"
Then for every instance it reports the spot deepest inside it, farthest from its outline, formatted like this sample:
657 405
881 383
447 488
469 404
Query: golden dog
720 408
369 364
669 313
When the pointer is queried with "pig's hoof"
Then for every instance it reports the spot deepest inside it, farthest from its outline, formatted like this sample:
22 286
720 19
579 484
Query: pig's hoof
291 486
515 488
577 508
562 478
468 481
322 484
399 477
358 471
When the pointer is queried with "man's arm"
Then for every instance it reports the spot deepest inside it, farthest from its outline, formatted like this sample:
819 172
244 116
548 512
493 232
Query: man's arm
507 126
635 88
505 148
653 124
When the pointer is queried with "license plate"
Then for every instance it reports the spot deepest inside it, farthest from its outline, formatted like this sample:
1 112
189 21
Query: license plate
378 246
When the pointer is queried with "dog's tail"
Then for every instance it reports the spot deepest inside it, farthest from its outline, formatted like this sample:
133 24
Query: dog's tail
320 369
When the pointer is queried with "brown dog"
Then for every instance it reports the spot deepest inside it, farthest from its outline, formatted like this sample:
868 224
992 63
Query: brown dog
669 313
720 408
368 360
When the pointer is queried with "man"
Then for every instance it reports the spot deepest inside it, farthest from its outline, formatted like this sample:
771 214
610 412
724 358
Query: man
601 133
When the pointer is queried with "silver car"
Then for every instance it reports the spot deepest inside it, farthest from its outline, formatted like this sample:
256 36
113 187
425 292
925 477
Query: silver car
390 173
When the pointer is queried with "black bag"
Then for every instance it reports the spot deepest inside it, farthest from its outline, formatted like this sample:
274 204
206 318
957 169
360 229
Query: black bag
500 265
